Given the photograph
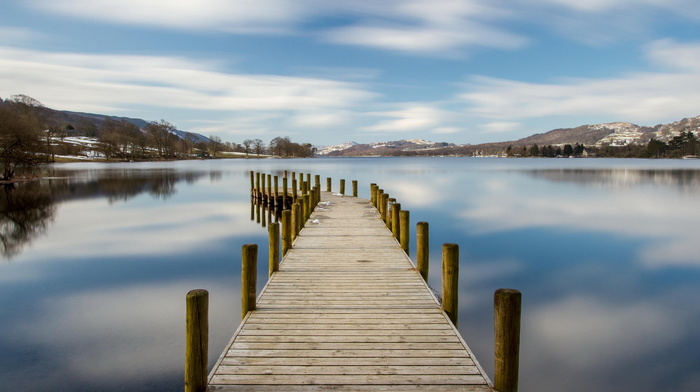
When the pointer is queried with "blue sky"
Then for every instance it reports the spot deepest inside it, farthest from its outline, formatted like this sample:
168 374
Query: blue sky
327 72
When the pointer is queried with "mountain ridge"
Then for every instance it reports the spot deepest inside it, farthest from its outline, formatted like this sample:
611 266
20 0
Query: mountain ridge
616 134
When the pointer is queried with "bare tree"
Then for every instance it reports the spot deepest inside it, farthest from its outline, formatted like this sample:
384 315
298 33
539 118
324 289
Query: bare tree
259 146
246 146
22 144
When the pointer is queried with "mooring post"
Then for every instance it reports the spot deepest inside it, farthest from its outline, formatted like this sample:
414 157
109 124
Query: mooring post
269 188
422 249
373 194
304 209
384 206
450 280
308 178
273 247
404 230
197 341
249 276
342 186
252 182
395 225
354 188
295 197
317 180
284 191
277 192
296 209
261 191
390 202
257 185
286 231
506 309
329 182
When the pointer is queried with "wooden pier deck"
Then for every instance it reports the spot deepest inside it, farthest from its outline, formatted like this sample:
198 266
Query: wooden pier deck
347 311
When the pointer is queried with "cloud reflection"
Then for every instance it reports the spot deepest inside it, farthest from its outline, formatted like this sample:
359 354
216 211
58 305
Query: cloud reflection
664 218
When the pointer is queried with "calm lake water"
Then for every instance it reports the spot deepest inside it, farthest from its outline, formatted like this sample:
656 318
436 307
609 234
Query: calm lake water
97 260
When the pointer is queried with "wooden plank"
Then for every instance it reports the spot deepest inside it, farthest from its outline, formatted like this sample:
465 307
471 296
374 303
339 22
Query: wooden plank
347 311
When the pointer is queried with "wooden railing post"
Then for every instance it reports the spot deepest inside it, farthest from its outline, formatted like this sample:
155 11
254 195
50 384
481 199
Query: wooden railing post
275 196
383 205
404 231
286 231
395 221
273 247
423 249
506 303
450 280
197 341
342 186
317 180
373 194
295 196
249 277
296 219
354 188
252 182
329 182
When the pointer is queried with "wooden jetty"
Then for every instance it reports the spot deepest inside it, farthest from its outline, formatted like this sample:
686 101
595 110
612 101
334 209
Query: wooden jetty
346 310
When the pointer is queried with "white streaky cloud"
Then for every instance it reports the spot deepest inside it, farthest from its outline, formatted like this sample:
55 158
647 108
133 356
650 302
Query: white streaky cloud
675 55
499 126
446 130
410 117
240 16
422 26
643 97
18 35
110 82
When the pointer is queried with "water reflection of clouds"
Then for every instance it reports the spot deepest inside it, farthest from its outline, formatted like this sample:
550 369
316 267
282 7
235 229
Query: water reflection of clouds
665 219
124 334
151 228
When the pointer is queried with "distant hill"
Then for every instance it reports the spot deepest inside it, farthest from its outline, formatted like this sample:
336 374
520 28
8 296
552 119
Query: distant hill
610 134
399 147
88 124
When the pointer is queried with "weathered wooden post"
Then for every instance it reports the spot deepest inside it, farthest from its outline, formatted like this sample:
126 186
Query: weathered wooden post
450 280
257 185
317 180
273 231
373 194
296 218
384 206
354 188
197 341
329 182
422 249
249 276
404 231
295 196
252 182
261 191
286 231
308 178
389 202
342 186
506 304
284 192
277 192
304 210
395 225
378 196
269 189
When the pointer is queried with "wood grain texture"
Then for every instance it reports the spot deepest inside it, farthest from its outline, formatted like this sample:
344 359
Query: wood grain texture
347 311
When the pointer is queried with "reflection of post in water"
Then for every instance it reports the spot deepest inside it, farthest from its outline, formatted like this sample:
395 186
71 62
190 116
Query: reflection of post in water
26 210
